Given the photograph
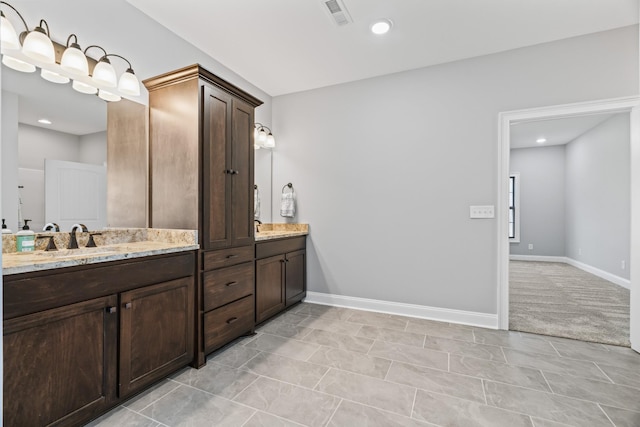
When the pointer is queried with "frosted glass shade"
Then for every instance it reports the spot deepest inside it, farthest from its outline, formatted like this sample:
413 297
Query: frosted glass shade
8 35
104 74
53 77
262 137
108 96
18 65
38 45
74 61
84 88
129 84
270 142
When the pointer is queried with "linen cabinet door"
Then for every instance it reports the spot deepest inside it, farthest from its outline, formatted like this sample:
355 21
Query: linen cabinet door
216 168
242 159
60 365
156 332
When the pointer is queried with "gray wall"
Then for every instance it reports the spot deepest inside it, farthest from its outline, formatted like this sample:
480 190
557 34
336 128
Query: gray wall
385 169
542 197
93 148
598 197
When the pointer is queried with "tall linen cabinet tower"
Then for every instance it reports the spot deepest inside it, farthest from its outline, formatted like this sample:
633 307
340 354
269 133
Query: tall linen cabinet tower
201 162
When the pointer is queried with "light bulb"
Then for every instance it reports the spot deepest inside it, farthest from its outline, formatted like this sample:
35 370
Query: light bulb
53 77
129 84
74 61
108 96
18 65
84 88
37 45
104 74
8 34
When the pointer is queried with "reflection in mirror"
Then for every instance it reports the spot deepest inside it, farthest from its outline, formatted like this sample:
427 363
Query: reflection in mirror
76 136
262 178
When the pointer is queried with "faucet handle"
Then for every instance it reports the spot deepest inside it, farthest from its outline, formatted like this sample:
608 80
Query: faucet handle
51 246
92 243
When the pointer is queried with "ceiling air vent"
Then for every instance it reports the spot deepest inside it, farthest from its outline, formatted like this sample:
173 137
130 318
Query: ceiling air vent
337 11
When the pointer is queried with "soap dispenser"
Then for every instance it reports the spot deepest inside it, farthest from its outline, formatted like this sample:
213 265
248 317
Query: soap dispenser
5 230
25 238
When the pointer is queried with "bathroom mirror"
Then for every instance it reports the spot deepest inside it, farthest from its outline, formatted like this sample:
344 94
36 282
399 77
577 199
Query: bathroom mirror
262 178
77 133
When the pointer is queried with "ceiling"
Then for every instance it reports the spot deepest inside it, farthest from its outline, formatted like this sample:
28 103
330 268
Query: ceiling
285 46
555 131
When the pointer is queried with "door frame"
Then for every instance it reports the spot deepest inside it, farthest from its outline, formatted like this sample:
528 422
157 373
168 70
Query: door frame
505 120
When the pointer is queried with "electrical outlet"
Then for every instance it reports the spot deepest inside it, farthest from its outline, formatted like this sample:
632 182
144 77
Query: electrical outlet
530 246
481 211
623 264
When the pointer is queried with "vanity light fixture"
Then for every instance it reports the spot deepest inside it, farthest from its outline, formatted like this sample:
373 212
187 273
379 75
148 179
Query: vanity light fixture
382 26
37 49
261 138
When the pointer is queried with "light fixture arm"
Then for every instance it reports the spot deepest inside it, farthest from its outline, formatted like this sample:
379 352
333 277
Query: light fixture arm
99 47
260 126
121 57
75 43
40 28
18 13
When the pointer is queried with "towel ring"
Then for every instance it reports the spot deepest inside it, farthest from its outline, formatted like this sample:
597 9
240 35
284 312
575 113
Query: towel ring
289 185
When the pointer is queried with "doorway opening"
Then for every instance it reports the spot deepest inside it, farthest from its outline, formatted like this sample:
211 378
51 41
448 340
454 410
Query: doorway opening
506 190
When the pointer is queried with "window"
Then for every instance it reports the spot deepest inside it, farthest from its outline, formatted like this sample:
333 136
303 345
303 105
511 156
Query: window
514 208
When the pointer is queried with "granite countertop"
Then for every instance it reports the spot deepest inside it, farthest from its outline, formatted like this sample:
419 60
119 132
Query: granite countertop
272 231
113 245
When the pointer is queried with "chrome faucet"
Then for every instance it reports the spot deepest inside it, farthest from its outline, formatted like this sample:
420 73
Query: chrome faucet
259 223
73 242
51 226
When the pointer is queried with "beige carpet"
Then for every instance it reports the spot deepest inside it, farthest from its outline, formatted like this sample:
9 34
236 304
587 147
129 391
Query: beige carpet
560 300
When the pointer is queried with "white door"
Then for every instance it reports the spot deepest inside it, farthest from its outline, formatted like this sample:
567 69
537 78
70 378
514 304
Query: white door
75 193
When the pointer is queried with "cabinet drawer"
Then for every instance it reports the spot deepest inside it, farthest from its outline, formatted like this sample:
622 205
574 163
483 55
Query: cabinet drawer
227 257
227 284
277 247
228 322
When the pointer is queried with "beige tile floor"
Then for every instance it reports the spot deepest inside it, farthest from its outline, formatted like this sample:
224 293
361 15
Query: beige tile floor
327 366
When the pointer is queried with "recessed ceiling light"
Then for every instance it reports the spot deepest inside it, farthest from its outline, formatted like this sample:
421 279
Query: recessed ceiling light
44 121
381 26
541 140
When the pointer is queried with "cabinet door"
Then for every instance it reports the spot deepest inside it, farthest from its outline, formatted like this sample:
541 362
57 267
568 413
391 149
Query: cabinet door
156 332
242 158
60 364
269 287
295 276
216 168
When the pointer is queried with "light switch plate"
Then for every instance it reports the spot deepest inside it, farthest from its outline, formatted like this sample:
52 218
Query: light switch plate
481 211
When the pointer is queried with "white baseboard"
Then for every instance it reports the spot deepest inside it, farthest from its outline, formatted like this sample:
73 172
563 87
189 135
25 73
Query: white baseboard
541 258
620 281
471 318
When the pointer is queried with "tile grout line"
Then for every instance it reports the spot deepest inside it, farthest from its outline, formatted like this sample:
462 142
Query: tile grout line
413 405
604 373
248 385
164 395
255 411
334 412
320 380
547 381
484 392
606 415
138 413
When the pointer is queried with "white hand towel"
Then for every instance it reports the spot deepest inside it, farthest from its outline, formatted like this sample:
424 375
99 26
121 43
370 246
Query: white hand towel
288 205
256 203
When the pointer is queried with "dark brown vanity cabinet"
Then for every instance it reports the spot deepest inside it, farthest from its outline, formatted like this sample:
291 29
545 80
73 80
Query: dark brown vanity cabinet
280 275
201 172
78 340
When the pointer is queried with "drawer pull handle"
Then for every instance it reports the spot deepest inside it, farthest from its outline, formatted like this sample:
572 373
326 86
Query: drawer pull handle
231 284
230 321
232 256
127 305
112 310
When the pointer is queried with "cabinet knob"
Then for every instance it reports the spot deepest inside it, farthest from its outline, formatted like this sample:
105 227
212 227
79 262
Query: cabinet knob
230 321
127 305
231 284
112 310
